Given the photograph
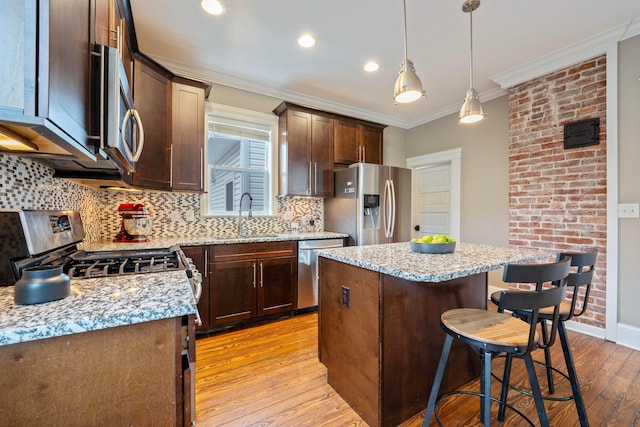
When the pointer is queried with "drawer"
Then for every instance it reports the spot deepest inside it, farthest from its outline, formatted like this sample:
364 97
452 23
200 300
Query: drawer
244 251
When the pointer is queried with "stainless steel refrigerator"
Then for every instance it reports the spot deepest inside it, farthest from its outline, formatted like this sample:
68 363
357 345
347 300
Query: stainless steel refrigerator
372 204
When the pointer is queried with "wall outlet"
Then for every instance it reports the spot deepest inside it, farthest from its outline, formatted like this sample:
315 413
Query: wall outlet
189 216
629 210
175 216
346 296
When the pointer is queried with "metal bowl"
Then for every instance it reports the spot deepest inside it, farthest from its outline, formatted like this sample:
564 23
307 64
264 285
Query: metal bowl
138 226
433 248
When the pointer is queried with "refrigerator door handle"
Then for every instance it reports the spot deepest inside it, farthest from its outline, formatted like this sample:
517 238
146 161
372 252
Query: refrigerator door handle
392 226
387 208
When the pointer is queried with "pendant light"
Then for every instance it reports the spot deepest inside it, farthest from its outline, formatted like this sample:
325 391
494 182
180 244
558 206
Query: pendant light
408 87
471 111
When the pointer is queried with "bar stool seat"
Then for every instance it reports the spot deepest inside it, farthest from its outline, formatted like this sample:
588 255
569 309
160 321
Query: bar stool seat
492 333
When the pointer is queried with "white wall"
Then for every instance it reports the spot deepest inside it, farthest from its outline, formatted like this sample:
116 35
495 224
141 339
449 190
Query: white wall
484 200
629 180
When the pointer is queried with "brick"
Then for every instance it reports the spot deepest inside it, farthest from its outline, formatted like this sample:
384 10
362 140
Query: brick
557 197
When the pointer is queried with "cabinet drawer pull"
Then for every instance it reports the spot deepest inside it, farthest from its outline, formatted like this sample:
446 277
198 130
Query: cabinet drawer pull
254 274
206 263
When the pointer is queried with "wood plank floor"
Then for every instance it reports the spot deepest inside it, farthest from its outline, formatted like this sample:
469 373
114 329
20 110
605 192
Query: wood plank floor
269 375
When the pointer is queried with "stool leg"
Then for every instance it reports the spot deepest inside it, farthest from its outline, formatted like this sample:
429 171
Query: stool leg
485 388
547 358
435 387
535 389
506 377
573 375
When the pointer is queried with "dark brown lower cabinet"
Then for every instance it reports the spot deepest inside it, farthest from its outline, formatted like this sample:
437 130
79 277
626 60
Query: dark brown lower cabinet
127 375
380 338
249 282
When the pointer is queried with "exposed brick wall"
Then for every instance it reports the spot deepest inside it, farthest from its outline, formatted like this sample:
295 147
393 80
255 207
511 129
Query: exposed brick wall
557 197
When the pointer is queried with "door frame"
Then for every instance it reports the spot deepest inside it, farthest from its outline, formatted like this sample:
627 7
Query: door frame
454 158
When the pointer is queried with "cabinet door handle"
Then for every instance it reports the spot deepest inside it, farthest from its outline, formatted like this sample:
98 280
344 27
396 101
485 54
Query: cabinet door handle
309 186
254 275
315 177
364 154
206 262
261 278
201 168
171 166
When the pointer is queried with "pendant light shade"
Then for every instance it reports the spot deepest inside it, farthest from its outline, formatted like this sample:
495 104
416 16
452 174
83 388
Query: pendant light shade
471 111
408 87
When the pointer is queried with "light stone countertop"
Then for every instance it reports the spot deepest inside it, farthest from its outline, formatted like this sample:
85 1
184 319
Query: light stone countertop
98 303
117 301
209 240
397 259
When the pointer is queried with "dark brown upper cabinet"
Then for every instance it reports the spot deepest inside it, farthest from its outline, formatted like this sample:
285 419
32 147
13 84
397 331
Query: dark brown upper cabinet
357 142
305 146
46 72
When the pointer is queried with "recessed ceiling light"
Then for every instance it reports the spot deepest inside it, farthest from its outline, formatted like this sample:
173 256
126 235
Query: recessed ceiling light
371 66
306 40
214 7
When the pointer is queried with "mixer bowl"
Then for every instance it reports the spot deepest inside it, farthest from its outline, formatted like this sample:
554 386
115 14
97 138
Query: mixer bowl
138 226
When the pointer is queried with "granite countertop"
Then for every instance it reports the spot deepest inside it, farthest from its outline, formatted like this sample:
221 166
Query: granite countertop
97 304
397 259
209 240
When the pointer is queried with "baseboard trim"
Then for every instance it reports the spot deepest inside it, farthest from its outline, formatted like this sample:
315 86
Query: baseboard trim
628 336
585 329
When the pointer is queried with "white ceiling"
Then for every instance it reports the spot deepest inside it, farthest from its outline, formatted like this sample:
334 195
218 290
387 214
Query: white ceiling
253 46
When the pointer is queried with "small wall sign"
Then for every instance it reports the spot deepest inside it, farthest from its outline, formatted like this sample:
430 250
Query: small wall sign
582 133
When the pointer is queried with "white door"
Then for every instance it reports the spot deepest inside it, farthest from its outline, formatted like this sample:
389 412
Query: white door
436 193
433 210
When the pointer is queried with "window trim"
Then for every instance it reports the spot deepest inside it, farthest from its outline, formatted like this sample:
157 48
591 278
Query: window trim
242 114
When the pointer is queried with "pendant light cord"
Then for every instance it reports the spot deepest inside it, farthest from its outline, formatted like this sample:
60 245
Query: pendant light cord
471 50
404 6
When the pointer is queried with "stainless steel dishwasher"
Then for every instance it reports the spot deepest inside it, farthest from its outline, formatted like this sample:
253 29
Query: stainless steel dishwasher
308 270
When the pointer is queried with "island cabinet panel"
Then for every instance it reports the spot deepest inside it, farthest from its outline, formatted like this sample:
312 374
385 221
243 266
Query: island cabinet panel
382 350
412 339
349 336
129 375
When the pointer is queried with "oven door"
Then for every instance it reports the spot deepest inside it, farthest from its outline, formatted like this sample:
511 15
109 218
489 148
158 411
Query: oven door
122 136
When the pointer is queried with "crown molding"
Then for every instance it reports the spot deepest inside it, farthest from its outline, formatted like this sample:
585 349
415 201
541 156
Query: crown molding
216 77
563 58
454 108
212 76
566 57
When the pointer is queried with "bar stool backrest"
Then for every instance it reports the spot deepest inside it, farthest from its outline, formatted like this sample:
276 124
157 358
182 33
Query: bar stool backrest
533 301
581 276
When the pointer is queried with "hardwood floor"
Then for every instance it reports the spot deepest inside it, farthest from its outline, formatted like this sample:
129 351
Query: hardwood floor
269 375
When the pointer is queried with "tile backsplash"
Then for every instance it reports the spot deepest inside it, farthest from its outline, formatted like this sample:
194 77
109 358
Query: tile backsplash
26 184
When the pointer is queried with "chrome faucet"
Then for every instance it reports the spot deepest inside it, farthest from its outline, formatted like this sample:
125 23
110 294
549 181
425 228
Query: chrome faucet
240 212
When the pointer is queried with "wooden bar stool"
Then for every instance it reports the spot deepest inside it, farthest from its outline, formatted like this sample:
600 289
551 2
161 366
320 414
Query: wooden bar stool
494 333
579 284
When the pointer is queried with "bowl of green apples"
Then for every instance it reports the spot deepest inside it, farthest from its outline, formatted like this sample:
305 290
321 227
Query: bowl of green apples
433 244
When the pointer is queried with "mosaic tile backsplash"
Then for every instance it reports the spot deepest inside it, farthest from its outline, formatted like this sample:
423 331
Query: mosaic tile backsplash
26 184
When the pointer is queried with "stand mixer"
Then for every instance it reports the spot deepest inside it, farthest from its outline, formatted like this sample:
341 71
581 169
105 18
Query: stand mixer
136 224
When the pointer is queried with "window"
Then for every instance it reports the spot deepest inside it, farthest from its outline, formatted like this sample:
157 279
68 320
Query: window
240 159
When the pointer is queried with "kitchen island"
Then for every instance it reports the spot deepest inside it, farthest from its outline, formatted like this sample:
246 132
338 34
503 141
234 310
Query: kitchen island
379 321
111 353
